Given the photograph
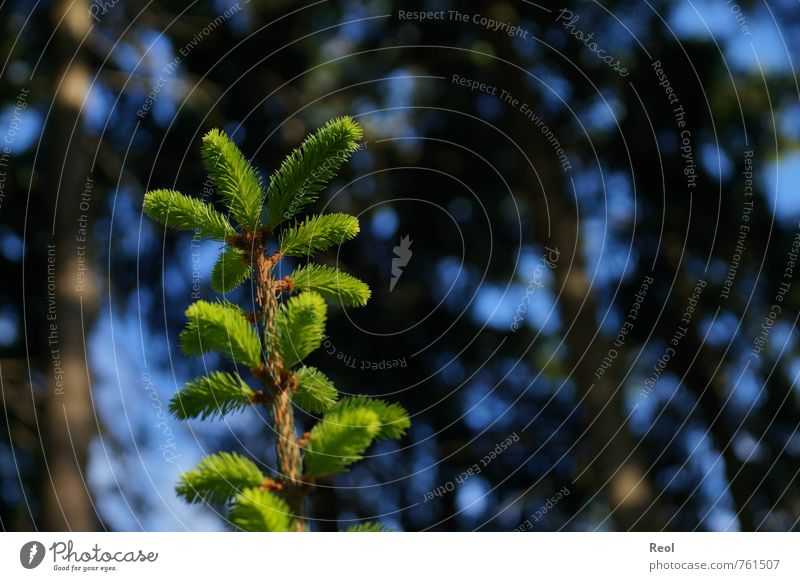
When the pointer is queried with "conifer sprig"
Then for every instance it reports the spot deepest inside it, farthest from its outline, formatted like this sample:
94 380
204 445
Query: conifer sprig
367 527
231 269
237 182
223 327
339 440
332 284
257 510
273 342
218 478
315 392
175 210
304 173
214 395
300 327
318 233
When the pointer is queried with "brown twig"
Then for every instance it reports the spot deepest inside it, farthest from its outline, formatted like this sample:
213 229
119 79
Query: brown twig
275 378
304 440
284 284
270 484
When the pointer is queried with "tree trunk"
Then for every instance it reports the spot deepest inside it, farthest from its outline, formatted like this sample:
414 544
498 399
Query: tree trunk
68 422
610 463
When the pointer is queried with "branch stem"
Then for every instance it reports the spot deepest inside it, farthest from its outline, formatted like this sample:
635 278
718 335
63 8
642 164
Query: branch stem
278 382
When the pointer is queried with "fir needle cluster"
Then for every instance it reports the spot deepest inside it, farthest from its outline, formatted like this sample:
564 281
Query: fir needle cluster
268 346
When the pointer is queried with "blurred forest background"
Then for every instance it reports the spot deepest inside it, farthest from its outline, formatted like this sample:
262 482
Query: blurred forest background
540 224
